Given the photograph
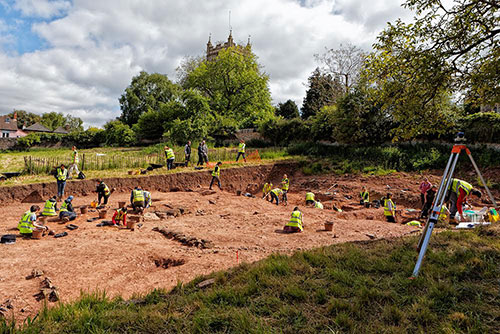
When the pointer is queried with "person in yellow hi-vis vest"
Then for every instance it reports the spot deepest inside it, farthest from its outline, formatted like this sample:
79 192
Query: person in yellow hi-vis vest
216 176
285 185
74 163
50 207
137 198
169 154
309 198
28 222
296 223
365 197
389 209
266 190
241 150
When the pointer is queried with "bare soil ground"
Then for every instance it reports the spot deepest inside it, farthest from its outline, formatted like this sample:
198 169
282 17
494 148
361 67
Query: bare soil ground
239 229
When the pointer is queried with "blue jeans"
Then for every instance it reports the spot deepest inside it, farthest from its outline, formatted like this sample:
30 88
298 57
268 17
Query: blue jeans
60 188
70 215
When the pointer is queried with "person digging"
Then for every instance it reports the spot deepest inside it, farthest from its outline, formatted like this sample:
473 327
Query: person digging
103 193
137 199
120 216
67 212
458 192
266 190
296 223
309 198
275 195
28 222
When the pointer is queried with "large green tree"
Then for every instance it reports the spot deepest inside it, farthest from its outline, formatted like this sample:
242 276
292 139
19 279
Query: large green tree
450 47
323 90
146 92
236 87
53 120
287 110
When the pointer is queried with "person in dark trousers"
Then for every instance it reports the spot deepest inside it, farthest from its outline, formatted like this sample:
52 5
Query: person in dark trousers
170 156
202 153
389 209
241 150
275 195
66 212
187 153
137 198
103 192
216 176
61 177
429 198
120 216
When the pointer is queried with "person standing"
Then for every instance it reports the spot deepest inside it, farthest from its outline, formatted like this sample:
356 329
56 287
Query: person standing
389 209
429 198
28 222
61 177
365 197
74 163
216 176
169 154
103 192
241 150
285 185
296 222
204 151
423 188
187 153
67 212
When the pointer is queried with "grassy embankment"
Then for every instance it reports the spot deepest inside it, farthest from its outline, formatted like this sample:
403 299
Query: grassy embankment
345 288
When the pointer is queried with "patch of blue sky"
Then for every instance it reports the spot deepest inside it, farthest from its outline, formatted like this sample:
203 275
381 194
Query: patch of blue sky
16 34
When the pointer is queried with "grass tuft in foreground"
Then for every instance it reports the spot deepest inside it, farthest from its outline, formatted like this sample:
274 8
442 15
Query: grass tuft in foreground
347 288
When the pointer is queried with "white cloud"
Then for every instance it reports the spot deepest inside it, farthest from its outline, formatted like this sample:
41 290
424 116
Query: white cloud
42 8
94 51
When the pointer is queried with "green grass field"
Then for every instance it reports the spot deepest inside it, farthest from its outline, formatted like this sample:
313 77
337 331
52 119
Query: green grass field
345 288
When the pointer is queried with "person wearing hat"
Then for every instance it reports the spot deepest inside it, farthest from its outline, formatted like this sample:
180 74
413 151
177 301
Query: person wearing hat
458 192
216 176
50 207
103 192
120 216
296 222
61 177
67 212
28 222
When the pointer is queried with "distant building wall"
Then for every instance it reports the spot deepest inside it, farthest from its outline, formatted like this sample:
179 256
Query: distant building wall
7 143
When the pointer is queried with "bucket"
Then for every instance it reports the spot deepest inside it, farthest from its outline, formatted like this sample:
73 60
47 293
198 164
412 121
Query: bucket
83 209
102 214
37 233
121 204
328 226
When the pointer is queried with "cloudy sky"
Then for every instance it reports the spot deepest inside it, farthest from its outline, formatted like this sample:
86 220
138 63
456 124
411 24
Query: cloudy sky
78 56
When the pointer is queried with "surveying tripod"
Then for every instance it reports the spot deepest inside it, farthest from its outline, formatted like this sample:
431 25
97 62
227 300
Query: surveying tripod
441 196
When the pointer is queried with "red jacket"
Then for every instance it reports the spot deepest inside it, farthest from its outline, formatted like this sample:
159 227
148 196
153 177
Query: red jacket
124 218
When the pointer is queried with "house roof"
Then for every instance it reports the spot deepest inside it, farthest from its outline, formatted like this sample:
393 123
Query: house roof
61 130
8 123
37 127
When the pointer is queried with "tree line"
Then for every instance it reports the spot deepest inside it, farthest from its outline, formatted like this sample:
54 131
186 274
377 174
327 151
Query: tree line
422 80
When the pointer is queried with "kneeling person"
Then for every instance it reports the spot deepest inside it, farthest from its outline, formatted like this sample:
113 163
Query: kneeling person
318 205
309 198
147 199
67 213
50 207
28 222
120 216
296 222
137 198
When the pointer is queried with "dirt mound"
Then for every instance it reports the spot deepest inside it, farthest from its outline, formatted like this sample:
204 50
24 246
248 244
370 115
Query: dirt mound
34 197
168 262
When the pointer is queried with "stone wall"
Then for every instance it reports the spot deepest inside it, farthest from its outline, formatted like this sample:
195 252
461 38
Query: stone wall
7 143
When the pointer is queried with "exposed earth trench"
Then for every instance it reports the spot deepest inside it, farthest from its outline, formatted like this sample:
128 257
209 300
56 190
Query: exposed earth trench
201 231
